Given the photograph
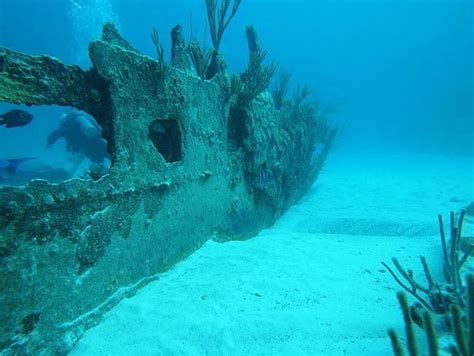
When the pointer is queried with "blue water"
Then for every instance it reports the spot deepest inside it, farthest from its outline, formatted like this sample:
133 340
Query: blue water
397 74
397 78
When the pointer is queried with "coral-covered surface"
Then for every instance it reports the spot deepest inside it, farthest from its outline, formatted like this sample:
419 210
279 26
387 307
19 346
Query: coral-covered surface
70 251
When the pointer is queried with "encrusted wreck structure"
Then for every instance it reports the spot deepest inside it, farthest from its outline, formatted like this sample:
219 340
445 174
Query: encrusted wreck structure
191 161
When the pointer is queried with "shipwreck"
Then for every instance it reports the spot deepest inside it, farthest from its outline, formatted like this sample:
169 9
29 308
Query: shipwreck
228 158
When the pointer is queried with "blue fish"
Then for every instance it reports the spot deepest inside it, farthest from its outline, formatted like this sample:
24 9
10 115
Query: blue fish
15 118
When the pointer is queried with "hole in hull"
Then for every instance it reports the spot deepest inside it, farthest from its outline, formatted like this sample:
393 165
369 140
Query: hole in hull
49 142
236 129
166 137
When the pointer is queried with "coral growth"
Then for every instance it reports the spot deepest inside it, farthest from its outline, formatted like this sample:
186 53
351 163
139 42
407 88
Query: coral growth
218 20
444 301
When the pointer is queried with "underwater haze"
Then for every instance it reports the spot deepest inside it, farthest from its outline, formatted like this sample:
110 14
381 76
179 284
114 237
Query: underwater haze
202 220
397 75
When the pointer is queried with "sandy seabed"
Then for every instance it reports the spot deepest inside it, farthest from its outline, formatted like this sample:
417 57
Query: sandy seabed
313 284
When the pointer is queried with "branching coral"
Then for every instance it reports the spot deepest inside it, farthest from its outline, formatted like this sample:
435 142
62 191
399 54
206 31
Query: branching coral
218 22
462 329
300 94
281 88
452 260
257 77
438 296
159 52
449 299
200 58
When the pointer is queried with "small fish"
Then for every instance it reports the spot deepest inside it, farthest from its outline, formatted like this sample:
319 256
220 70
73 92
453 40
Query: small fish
15 118
263 179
